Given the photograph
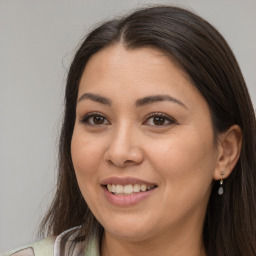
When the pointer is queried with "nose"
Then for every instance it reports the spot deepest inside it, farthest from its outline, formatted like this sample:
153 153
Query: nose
124 148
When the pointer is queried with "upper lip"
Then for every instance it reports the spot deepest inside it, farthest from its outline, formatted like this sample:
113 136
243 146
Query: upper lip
126 181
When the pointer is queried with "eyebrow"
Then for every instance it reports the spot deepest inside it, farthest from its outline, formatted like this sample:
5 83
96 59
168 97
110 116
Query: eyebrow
158 98
139 102
95 97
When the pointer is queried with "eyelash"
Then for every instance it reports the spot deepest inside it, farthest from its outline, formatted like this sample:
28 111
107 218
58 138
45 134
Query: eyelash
161 115
164 117
86 118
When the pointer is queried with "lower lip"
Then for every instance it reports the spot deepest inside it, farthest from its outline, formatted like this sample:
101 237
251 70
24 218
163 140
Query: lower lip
121 200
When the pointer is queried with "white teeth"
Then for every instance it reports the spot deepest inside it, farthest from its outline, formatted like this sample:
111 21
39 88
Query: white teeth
143 188
113 188
128 189
119 189
136 188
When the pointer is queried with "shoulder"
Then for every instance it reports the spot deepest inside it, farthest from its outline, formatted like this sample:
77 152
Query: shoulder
41 248
63 244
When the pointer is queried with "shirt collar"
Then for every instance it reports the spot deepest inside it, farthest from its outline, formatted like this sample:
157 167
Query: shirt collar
92 246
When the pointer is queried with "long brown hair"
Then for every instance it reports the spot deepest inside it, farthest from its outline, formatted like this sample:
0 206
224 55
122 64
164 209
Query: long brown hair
200 50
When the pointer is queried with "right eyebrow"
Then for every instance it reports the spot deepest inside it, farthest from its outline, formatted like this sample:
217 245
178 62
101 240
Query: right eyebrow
95 97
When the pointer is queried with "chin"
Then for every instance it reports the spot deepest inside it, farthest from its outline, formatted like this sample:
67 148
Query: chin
130 231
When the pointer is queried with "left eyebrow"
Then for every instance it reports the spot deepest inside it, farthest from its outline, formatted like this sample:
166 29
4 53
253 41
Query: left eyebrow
158 98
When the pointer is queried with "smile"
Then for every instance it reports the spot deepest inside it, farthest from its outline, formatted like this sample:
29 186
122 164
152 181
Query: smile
127 191
124 190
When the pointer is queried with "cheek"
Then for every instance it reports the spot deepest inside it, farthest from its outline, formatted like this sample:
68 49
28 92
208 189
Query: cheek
85 153
185 162
184 151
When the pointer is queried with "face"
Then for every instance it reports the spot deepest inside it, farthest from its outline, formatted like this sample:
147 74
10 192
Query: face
143 146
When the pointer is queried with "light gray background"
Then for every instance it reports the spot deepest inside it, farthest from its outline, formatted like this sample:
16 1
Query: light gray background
37 42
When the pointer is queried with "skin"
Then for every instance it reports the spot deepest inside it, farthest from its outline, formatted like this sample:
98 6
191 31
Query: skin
180 156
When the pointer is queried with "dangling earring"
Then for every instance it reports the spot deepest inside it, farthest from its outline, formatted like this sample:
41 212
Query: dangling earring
221 190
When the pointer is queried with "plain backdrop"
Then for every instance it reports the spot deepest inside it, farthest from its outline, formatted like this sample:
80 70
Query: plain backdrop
37 42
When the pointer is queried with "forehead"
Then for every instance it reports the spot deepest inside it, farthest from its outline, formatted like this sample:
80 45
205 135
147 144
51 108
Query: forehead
141 67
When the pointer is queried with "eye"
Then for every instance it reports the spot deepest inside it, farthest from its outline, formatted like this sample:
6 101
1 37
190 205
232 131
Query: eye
159 119
94 119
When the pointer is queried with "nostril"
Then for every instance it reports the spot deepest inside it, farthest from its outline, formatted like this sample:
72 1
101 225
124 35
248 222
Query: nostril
128 162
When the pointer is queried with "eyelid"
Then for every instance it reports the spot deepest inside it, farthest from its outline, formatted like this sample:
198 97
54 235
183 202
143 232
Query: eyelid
160 114
84 119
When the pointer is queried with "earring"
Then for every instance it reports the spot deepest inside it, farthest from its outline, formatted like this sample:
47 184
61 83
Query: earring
221 190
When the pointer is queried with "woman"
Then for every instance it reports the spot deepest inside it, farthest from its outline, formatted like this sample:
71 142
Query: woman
157 145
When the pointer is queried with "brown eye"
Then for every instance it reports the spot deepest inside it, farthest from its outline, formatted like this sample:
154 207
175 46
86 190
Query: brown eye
98 120
94 119
159 119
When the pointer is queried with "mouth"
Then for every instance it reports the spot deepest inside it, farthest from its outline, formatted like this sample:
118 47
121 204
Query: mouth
129 189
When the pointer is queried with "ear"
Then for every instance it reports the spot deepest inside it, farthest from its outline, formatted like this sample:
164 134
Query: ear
229 149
